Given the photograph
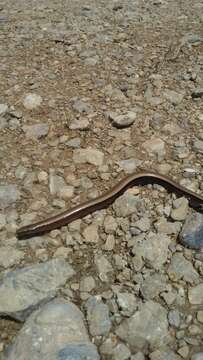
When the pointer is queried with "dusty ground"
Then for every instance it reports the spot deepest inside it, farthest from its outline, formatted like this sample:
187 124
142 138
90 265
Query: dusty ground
115 56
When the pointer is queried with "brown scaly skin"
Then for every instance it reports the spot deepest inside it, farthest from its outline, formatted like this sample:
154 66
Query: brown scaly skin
103 201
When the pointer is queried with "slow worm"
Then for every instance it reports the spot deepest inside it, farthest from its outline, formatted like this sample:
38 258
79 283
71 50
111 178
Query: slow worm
103 201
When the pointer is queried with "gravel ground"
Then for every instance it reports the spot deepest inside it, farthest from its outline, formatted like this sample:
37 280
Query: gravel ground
90 92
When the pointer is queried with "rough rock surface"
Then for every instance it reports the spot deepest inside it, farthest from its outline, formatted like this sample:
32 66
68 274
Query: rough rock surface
152 330
24 289
58 320
91 92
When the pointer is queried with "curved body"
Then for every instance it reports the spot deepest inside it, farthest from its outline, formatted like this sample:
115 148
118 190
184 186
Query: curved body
103 201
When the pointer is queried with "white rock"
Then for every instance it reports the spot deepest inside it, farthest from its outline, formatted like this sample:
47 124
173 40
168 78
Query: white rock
88 155
32 101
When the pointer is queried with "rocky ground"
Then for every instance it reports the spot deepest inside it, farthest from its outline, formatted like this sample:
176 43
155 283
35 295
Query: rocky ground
89 92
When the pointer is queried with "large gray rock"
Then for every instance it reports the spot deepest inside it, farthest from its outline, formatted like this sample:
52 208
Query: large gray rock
98 316
54 332
182 269
192 232
147 327
22 290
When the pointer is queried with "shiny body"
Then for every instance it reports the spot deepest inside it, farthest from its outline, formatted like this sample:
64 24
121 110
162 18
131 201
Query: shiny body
103 201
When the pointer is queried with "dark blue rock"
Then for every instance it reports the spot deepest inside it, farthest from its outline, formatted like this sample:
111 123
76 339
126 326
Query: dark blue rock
192 232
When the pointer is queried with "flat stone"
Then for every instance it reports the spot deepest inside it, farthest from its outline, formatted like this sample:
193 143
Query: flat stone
3 123
62 252
32 101
182 269
108 346
142 224
126 205
122 120
147 327
43 176
138 356
169 297
20 172
103 267
91 234
75 352
110 243
180 209
129 165
3 109
89 155
97 316
164 168
110 224
114 93
82 106
153 249
55 331
9 194
155 146
194 330
174 318
36 131
184 351
57 186
164 355
66 192
191 234
79 124
153 285
56 183
87 284
172 129
195 295
166 227
173 97
10 256
197 356
121 352
127 303
24 289
73 143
